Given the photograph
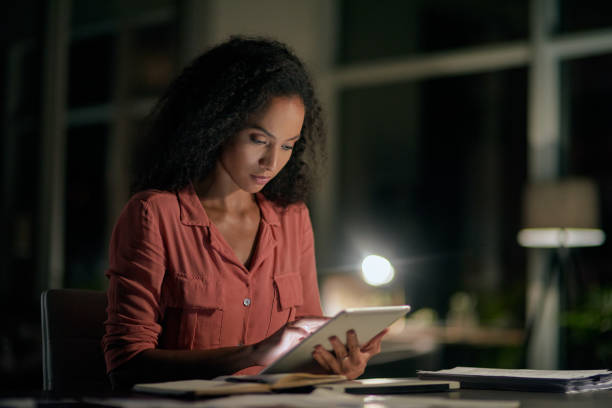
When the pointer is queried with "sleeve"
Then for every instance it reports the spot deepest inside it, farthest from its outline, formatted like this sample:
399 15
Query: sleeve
308 269
136 270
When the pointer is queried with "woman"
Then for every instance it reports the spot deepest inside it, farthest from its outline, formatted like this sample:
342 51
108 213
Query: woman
212 267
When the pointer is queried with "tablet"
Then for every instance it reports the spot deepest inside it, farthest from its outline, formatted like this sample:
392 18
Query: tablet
367 323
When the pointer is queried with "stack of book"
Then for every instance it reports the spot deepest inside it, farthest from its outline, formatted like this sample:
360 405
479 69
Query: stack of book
568 381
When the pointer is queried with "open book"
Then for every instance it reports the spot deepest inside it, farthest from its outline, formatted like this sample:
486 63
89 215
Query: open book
229 385
568 381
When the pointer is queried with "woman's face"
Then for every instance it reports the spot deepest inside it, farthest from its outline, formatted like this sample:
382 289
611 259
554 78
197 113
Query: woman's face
258 152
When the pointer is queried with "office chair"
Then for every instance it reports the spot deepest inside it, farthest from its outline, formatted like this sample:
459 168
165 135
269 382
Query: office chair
72 328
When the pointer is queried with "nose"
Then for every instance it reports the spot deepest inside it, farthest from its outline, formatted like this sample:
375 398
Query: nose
269 159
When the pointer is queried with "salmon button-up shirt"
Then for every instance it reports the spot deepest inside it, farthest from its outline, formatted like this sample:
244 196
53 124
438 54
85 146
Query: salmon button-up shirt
175 283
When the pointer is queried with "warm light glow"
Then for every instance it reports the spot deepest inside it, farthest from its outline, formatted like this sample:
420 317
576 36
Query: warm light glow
377 270
560 237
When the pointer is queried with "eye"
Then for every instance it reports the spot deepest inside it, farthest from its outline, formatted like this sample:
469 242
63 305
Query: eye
287 147
258 139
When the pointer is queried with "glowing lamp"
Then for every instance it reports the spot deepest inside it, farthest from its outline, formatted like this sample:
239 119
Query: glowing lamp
376 270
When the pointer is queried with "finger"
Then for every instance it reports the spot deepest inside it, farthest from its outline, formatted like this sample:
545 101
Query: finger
297 329
314 318
375 340
310 324
339 348
330 360
319 359
352 343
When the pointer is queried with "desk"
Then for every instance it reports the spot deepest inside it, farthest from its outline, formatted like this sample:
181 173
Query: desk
597 399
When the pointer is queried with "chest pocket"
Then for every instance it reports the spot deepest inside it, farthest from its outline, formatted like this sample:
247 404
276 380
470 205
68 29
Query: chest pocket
193 315
288 295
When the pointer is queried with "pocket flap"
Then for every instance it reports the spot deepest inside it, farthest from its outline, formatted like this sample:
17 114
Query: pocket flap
289 290
192 294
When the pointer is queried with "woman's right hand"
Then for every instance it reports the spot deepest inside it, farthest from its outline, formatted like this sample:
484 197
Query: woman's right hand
270 349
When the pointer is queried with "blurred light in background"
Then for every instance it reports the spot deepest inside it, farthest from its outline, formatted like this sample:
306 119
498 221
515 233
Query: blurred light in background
561 237
376 270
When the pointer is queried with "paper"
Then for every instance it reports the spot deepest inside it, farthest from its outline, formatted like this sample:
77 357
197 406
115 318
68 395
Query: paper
568 381
522 373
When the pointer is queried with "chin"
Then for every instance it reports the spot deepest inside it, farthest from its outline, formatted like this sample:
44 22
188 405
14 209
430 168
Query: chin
252 189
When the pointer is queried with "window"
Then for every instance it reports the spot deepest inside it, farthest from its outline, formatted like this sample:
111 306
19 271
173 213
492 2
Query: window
443 109
587 88
395 28
576 15
121 59
431 176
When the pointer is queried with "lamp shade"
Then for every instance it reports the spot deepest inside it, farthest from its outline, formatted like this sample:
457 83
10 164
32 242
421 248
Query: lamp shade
561 213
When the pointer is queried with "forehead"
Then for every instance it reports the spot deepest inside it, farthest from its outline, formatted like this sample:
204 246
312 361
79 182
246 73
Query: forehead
281 114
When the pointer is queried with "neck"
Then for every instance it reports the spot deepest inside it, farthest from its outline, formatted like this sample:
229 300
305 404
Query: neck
213 195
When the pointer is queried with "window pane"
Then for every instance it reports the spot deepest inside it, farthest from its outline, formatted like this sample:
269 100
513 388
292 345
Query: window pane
577 15
86 13
86 206
430 178
587 87
29 85
152 59
392 28
91 71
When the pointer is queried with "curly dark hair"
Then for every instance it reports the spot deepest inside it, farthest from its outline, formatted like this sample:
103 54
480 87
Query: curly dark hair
210 101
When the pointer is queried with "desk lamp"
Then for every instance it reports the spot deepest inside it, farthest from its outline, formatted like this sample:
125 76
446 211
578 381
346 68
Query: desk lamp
559 214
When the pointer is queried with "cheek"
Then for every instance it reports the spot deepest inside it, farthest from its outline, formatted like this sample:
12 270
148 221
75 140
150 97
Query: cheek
237 157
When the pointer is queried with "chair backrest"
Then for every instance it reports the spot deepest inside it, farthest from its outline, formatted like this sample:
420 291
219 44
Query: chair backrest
72 328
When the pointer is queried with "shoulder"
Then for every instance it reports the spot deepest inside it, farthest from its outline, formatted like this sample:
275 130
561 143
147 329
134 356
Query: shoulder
294 209
152 202
274 211
154 197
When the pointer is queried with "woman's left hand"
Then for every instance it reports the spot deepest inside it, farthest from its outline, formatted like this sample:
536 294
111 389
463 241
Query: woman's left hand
349 360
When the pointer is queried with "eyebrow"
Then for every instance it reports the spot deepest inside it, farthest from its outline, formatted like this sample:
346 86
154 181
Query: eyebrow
270 134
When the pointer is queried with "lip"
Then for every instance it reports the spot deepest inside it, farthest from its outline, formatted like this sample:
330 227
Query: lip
261 179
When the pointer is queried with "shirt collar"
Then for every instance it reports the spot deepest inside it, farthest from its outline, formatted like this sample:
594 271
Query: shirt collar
269 211
192 212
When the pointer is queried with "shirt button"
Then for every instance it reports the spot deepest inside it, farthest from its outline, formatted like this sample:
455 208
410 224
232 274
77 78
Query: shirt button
246 302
